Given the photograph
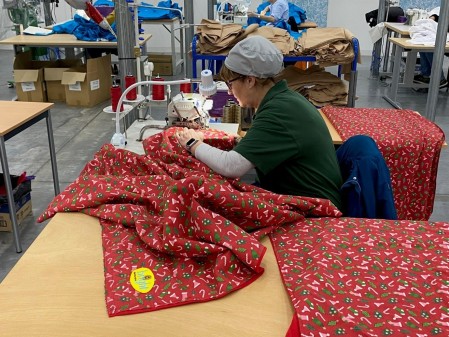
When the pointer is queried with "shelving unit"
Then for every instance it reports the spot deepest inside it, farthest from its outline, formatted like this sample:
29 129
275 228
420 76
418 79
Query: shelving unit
171 25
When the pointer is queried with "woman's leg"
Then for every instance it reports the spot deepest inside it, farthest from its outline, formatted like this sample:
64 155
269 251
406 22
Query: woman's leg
426 63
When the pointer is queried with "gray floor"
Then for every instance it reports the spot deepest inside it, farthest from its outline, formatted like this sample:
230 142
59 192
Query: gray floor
80 132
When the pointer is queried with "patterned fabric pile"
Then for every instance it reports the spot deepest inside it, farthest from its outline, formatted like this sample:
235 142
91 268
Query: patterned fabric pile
410 145
196 231
362 277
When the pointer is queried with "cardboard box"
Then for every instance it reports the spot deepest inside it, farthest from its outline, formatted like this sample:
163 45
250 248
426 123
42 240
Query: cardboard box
23 208
89 84
29 79
162 64
53 76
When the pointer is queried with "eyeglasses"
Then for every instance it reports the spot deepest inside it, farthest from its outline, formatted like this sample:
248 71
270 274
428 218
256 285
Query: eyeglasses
229 83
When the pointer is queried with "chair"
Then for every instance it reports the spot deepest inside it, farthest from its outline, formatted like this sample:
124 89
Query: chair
366 191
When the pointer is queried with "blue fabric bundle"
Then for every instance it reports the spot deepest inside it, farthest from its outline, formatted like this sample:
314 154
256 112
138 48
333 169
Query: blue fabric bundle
147 13
85 30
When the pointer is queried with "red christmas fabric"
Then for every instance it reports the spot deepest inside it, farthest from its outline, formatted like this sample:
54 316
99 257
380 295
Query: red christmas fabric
166 211
411 146
365 277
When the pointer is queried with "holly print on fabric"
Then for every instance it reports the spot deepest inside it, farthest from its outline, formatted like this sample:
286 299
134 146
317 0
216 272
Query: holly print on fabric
410 145
196 231
365 277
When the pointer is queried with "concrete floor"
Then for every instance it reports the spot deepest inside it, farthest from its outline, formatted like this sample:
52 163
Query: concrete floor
80 132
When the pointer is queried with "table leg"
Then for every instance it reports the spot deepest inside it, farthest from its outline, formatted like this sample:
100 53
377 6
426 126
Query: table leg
393 52
410 64
395 78
352 88
10 195
387 51
51 144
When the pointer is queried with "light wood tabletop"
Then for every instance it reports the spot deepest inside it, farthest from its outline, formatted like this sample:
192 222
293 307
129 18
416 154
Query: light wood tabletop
62 40
399 28
14 114
404 43
57 289
336 139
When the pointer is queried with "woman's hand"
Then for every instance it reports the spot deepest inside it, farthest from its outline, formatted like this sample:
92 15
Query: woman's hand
185 134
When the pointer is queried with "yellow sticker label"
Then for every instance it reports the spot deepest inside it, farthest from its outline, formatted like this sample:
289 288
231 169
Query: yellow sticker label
142 280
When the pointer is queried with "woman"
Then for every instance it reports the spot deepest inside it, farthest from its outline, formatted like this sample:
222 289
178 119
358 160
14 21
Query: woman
279 13
288 143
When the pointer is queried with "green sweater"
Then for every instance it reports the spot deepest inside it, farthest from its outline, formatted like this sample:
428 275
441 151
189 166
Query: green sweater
291 147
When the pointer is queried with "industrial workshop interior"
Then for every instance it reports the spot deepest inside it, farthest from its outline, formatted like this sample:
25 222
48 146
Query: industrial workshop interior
122 226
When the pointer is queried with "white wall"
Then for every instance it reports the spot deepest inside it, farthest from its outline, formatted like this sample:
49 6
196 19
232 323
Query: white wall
350 14
341 13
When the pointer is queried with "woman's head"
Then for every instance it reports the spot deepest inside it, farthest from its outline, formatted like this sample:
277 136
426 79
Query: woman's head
251 65
255 56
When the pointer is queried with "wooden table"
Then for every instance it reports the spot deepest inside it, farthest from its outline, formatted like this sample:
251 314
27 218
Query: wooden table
57 289
401 45
67 41
14 118
336 138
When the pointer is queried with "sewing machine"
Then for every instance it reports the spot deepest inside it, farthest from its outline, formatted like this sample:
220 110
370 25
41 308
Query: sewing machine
232 11
190 110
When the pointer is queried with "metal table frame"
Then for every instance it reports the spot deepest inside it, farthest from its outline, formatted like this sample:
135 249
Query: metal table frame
11 132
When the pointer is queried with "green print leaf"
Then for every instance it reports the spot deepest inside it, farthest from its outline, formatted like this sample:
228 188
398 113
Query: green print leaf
365 313
400 310
217 237
411 325
198 248
174 189
229 287
412 313
317 321
219 279
332 323
139 300
370 295
254 254
243 204
241 250
310 304
354 311
327 291
320 309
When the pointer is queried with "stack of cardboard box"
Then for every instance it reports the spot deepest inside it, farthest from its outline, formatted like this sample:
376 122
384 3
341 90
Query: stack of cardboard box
71 81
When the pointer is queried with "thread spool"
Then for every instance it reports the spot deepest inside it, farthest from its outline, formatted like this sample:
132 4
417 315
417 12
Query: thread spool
132 94
186 88
116 92
227 114
158 90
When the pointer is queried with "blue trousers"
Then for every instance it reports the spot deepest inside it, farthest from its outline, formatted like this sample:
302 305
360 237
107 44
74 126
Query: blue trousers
426 59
